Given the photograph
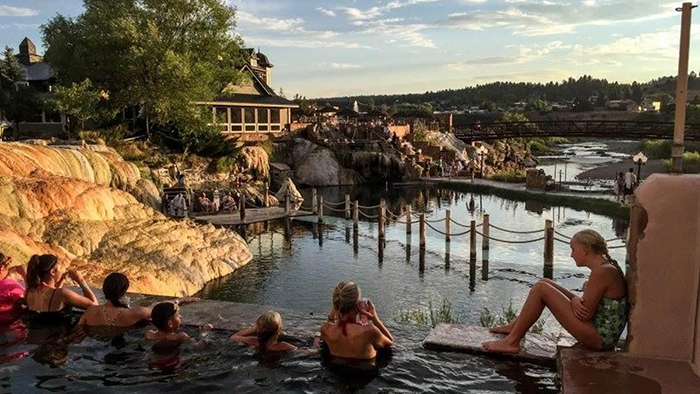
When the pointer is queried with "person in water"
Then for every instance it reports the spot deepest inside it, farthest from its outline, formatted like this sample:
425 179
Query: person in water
115 312
345 334
166 317
45 295
11 291
596 319
265 334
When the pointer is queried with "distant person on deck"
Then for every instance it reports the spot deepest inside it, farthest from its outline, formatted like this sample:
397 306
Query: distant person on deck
229 203
596 319
205 203
354 330
630 182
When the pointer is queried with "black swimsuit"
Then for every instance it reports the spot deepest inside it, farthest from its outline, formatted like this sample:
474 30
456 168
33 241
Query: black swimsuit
49 317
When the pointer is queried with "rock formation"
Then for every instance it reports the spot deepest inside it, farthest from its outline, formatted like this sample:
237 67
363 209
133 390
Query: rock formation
68 202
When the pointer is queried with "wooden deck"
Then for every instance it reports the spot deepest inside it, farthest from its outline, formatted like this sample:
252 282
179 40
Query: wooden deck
252 215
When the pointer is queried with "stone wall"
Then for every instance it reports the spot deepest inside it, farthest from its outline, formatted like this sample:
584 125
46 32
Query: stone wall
664 269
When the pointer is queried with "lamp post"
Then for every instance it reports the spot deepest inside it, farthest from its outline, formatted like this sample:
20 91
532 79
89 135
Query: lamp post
482 151
639 159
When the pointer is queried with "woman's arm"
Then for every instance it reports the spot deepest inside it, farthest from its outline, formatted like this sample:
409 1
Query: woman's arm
246 336
594 291
76 300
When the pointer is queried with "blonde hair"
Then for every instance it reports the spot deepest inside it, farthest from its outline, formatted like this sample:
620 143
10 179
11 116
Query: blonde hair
345 297
595 242
268 324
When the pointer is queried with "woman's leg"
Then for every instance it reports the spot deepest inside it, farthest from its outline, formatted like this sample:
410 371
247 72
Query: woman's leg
541 295
507 328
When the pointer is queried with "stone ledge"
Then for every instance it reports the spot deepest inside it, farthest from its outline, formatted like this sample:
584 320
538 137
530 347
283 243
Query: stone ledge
586 372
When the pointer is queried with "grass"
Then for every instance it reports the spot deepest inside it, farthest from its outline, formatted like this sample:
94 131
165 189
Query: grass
508 176
488 319
593 205
432 316
691 163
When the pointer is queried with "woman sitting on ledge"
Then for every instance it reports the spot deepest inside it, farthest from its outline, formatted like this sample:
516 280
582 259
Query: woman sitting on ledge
596 320
115 312
46 298
348 333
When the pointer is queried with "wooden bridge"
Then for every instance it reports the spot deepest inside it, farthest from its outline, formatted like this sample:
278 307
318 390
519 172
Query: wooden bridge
607 129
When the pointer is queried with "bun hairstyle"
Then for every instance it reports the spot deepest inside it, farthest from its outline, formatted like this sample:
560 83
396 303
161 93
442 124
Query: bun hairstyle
268 324
114 287
345 297
39 269
596 244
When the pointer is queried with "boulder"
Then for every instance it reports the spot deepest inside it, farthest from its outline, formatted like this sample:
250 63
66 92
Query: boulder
320 168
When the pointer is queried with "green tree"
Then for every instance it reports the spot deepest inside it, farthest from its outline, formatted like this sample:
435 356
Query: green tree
18 101
83 103
162 55
306 107
602 100
581 104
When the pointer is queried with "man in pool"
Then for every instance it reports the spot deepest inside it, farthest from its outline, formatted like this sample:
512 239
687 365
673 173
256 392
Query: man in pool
596 320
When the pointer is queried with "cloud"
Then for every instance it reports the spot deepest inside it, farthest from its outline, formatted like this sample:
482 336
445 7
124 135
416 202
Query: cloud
526 54
8 10
295 26
410 35
658 45
304 43
22 26
339 66
375 12
326 12
545 17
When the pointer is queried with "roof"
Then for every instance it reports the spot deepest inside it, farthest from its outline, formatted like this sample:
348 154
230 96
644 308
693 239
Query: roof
256 99
348 112
38 71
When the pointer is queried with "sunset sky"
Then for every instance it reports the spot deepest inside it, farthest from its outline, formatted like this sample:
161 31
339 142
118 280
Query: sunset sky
341 47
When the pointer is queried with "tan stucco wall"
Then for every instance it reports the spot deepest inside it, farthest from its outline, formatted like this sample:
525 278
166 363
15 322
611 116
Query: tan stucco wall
664 282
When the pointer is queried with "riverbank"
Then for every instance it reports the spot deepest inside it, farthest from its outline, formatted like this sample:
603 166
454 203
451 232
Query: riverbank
610 171
603 204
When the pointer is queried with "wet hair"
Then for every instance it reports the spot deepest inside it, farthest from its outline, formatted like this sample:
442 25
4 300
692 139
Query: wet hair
161 314
631 169
596 243
39 269
114 287
345 297
268 324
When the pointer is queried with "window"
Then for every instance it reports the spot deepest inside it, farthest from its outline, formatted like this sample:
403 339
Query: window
250 115
236 127
250 127
236 115
262 127
262 115
221 115
275 127
275 115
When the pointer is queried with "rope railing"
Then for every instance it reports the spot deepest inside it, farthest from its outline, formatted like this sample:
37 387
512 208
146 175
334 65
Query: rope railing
370 206
444 233
367 216
510 242
335 204
436 220
336 210
561 235
515 232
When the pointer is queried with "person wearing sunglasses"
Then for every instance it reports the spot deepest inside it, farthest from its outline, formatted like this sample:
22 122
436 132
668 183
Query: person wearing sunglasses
47 300
11 291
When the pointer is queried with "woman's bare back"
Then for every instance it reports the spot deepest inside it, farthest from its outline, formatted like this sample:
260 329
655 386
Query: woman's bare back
357 344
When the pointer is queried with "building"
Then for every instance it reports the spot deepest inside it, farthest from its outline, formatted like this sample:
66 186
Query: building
38 74
623 105
650 105
252 110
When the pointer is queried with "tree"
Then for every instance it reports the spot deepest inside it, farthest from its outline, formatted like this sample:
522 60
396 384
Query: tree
18 101
162 55
602 100
83 103
282 94
636 92
581 104
306 107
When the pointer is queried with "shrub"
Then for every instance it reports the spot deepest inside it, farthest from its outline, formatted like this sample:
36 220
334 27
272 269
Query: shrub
443 314
691 163
225 163
538 146
509 176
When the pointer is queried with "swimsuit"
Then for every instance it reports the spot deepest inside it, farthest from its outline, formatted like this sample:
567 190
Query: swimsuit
610 319
49 317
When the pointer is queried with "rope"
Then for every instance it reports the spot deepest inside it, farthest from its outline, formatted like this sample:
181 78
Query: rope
561 240
613 239
435 221
460 224
334 203
617 247
369 207
511 242
336 210
560 234
368 216
515 232
460 234
436 230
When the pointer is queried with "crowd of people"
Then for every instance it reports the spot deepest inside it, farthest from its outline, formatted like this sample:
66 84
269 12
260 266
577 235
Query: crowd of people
353 329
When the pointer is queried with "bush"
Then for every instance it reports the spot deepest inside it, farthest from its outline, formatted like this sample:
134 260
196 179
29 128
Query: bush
508 176
442 314
656 149
538 146
691 163
225 163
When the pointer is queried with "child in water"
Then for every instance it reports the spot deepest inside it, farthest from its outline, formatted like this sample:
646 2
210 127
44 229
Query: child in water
264 335
166 318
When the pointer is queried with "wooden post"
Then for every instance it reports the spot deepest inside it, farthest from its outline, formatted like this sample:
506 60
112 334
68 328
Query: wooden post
485 248
242 207
320 209
267 195
681 90
447 225
314 201
408 220
347 206
287 202
472 242
421 221
548 244
485 232
380 219
356 214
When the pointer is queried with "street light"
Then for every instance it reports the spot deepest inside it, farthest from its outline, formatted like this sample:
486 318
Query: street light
482 151
639 159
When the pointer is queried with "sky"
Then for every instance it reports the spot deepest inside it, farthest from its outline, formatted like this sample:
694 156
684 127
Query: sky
324 48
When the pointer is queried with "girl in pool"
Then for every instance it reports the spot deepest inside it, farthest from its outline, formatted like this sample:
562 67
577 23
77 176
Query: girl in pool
46 298
166 318
115 312
345 334
596 320
264 335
